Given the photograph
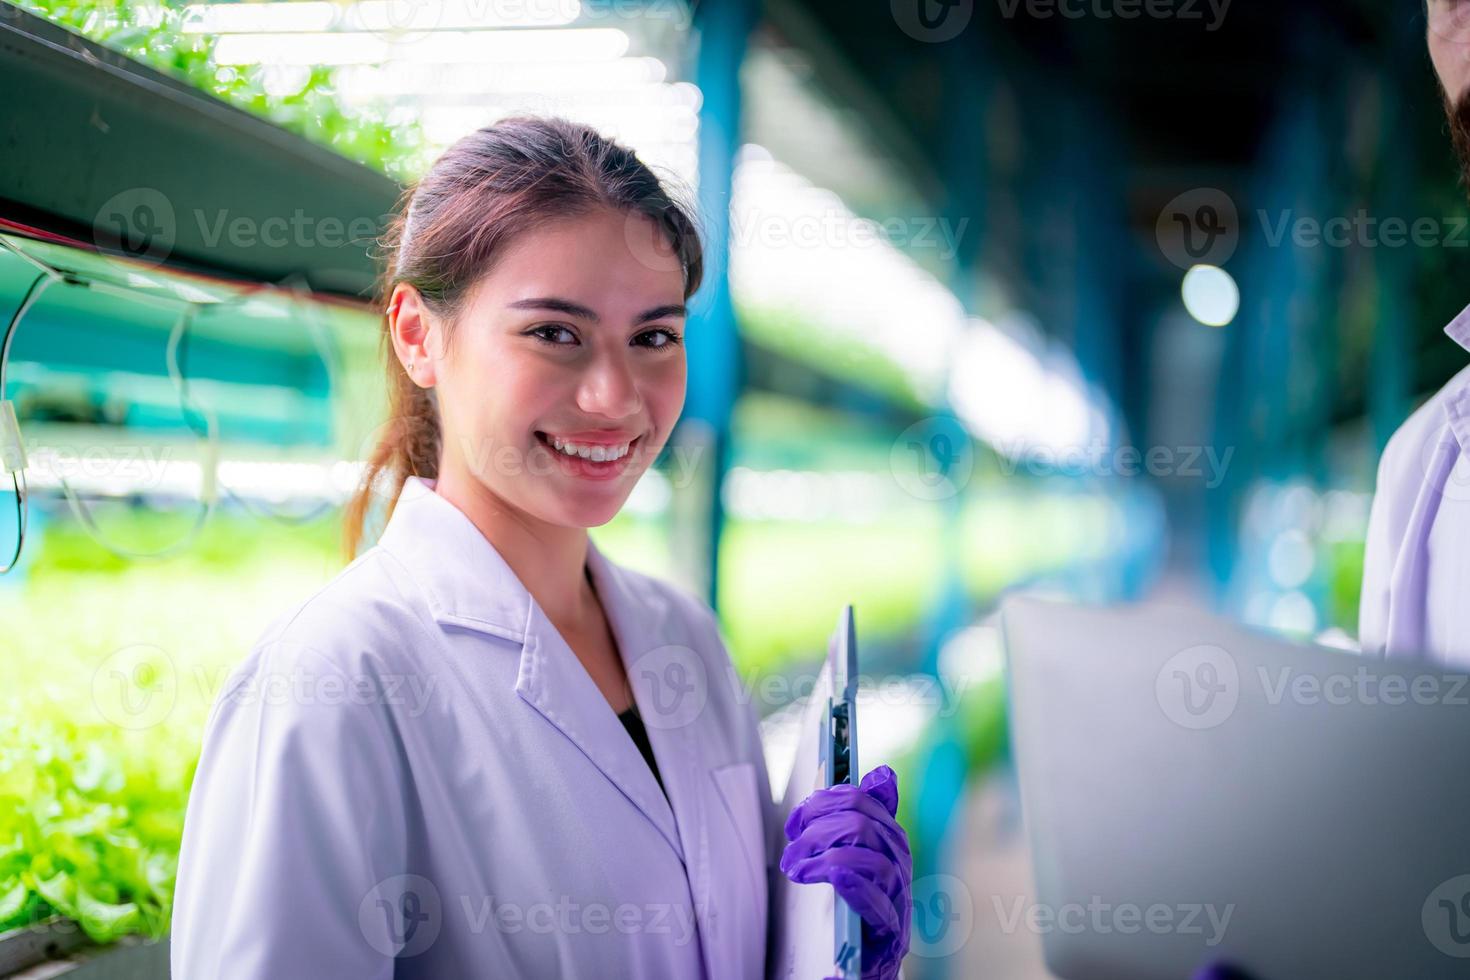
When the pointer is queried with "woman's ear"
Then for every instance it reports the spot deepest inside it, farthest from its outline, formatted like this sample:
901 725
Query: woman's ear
413 329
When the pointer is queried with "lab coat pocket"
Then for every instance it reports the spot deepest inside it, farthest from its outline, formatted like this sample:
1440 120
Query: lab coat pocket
744 834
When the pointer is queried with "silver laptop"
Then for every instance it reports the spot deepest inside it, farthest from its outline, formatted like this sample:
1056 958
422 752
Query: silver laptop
1197 791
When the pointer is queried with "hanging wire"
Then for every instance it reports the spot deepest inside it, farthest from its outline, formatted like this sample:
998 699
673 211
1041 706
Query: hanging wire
48 276
208 494
322 340
39 285
209 477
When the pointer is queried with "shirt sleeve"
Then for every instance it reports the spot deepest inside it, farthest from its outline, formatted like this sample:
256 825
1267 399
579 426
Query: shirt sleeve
294 835
1394 493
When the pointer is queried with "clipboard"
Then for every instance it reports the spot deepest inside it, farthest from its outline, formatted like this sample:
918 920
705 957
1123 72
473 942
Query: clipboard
816 934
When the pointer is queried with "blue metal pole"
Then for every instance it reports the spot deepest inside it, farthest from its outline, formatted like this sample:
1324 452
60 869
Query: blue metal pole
721 29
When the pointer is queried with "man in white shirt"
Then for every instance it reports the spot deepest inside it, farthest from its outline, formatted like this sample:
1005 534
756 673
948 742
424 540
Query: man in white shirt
1416 572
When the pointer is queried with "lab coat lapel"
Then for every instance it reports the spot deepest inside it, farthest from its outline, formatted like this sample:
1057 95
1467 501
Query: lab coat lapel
554 682
470 586
671 686
1408 583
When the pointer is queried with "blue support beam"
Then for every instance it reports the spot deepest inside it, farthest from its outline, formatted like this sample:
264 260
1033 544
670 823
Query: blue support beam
722 29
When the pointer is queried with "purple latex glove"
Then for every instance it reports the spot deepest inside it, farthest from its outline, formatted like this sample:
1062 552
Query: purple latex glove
847 836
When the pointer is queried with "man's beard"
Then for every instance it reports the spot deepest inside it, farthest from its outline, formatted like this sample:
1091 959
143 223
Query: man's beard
1458 114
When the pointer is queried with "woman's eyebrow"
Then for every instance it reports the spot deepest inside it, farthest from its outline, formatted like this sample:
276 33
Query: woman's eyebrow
586 313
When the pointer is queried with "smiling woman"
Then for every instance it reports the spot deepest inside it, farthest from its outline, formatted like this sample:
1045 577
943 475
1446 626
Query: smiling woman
560 265
580 339
568 728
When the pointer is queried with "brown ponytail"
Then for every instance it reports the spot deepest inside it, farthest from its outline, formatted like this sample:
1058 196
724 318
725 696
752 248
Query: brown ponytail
448 229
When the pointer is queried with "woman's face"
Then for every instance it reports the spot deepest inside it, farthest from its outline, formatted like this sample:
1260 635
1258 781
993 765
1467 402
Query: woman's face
567 368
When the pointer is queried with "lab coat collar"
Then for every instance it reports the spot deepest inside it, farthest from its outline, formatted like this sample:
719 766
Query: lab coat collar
464 579
470 586
1459 328
1457 400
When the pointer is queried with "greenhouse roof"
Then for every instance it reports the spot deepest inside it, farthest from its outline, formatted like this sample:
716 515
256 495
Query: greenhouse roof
107 152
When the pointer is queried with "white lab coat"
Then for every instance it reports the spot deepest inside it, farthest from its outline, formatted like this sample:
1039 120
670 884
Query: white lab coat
412 761
1416 567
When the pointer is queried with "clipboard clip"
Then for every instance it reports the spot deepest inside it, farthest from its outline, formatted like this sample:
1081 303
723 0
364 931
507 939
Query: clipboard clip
842 768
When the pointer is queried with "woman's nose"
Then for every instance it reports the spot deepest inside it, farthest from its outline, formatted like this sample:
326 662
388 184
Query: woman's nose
609 388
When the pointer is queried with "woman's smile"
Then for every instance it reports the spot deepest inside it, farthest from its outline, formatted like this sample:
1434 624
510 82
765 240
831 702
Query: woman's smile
602 458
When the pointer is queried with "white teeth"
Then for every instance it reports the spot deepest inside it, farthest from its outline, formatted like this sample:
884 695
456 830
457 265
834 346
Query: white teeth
598 454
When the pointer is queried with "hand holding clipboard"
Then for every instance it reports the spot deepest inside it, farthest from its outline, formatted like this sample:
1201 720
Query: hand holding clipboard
848 837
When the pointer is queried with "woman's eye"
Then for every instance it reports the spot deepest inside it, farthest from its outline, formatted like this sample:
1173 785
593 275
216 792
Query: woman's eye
668 338
558 334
